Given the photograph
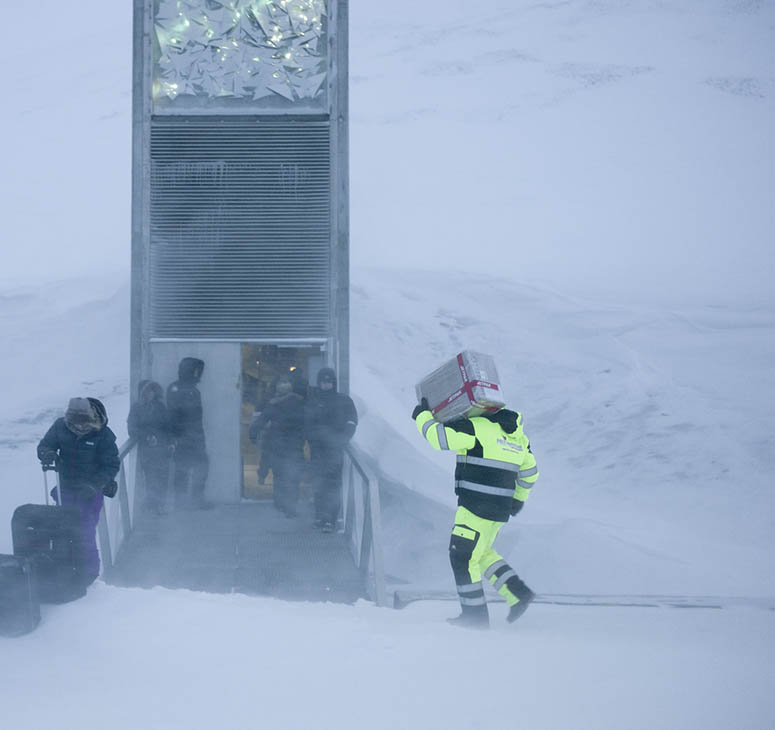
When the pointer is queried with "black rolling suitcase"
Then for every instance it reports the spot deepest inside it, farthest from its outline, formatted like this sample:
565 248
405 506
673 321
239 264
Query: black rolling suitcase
50 538
19 604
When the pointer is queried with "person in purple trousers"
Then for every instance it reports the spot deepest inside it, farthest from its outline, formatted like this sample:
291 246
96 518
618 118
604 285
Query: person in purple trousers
84 451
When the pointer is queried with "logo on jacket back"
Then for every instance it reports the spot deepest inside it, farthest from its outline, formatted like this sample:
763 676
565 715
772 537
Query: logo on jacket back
508 445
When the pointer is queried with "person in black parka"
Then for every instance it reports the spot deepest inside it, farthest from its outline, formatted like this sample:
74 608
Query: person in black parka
84 451
330 422
184 405
283 422
149 423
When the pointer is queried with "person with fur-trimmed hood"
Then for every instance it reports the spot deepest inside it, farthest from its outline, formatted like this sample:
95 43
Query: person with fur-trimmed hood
330 422
84 451
192 465
149 423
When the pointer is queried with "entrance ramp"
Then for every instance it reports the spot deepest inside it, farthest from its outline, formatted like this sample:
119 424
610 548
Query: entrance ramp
245 548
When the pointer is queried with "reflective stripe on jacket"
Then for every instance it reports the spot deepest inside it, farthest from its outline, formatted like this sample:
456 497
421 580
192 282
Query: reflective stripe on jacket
494 466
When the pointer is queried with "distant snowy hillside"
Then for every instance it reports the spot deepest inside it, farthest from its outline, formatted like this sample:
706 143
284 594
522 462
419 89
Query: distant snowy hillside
594 145
652 427
653 433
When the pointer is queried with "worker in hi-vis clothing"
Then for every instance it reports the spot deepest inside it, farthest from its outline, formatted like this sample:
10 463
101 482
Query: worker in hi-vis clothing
495 472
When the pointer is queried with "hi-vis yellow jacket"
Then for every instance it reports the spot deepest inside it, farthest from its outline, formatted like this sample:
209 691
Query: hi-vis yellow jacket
495 467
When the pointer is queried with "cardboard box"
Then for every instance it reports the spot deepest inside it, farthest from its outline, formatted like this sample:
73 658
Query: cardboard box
467 385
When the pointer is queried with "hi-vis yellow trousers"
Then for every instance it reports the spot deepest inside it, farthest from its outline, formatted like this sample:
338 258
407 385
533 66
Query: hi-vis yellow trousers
472 556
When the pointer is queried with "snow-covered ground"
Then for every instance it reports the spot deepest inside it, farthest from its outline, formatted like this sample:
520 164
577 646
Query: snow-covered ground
169 660
635 497
606 169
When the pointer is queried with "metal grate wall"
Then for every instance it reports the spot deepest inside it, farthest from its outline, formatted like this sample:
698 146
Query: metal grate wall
240 229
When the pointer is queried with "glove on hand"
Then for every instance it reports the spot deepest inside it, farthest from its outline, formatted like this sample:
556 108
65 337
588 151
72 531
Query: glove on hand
48 458
419 408
516 506
110 489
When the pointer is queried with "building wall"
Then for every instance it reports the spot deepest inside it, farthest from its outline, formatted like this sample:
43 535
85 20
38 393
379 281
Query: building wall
240 227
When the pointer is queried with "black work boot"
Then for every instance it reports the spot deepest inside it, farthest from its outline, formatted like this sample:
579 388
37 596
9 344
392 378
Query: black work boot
472 617
526 597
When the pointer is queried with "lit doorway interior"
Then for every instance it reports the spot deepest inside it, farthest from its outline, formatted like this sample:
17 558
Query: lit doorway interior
262 366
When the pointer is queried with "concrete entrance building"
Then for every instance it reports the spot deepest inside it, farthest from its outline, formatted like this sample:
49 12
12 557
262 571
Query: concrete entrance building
239 206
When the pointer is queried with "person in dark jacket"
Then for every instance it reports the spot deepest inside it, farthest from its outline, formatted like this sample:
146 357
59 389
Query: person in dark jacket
330 422
283 418
149 423
84 451
184 405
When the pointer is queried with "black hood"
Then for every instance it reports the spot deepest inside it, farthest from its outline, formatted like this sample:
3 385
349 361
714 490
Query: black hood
505 418
327 373
99 409
188 366
151 390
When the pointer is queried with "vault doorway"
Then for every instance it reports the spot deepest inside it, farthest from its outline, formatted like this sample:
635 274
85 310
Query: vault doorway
262 367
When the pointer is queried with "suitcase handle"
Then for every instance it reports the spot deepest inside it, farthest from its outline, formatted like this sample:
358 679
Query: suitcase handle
47 468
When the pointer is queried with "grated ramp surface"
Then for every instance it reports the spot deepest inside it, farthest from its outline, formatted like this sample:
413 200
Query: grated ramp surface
246 548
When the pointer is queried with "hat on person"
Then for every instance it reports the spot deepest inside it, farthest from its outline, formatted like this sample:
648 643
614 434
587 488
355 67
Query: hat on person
326 375
80 417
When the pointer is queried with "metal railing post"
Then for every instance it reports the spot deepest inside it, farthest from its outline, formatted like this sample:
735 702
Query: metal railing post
365 541
349 514
106 549
362 524
380 592
106 554
123 500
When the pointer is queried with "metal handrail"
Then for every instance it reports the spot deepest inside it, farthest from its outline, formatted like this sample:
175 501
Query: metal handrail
118 511
362 521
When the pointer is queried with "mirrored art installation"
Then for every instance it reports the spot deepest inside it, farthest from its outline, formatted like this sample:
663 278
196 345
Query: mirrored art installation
255 53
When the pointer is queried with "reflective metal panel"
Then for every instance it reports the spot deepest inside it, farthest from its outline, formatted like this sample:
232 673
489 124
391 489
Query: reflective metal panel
240 229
